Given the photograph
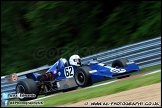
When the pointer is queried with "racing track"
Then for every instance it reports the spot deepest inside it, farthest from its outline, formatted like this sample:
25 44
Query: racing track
144 96
120 97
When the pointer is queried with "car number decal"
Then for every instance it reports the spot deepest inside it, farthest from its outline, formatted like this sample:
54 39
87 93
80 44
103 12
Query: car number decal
69 72
114 70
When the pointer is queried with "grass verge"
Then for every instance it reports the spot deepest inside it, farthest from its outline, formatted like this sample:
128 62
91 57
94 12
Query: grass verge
82 94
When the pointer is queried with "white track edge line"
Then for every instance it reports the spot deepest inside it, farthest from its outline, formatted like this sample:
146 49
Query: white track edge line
97 85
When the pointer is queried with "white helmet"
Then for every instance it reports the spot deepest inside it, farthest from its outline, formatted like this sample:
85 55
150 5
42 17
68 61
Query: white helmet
75 60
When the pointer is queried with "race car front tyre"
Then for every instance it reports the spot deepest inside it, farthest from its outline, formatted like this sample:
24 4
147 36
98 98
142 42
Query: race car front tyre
27 86
82 76
120 62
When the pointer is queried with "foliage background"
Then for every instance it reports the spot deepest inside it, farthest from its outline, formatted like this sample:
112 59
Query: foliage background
35 33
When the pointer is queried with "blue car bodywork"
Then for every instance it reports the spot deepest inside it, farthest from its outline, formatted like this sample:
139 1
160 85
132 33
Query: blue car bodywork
99 71
62 76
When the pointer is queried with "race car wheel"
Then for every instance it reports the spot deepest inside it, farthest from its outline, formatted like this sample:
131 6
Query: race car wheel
120 62
82 76
27 86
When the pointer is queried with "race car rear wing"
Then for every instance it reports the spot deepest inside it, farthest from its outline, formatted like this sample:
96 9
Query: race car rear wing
15 76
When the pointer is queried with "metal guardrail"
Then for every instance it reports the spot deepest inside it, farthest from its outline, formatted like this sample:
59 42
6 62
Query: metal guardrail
146 53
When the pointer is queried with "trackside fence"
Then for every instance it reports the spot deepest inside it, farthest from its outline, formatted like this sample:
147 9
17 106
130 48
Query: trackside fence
146 53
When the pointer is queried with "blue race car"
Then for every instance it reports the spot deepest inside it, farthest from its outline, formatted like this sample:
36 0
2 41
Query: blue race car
66 75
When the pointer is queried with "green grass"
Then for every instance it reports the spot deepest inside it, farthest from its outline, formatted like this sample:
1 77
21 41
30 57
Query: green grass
144 70
149 69
82 94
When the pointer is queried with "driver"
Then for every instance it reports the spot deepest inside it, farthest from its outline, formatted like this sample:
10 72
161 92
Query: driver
75 60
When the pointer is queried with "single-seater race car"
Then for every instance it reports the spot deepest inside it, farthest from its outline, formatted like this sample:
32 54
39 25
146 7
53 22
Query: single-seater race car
67 75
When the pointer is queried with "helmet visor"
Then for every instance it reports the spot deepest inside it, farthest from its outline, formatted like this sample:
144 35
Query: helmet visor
78 61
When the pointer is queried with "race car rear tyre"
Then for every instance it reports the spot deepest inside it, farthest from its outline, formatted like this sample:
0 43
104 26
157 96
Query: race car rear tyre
82 76
120 62
27 86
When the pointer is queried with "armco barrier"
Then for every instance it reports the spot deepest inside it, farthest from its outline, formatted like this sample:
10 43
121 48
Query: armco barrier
146 53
